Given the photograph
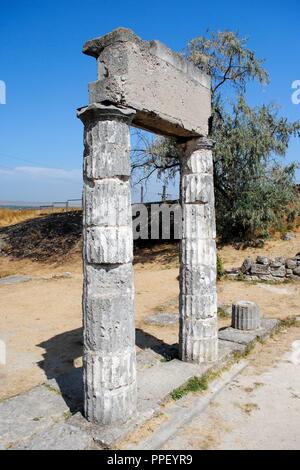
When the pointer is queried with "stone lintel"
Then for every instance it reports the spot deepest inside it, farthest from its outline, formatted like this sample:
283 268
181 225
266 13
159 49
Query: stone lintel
171 96
94 47
119 36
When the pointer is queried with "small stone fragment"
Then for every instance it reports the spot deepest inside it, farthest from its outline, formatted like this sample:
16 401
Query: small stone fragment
246 266
245 315
262 260
258 268
296 271
291 263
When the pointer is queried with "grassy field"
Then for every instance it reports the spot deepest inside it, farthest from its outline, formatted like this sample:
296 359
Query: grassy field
14 216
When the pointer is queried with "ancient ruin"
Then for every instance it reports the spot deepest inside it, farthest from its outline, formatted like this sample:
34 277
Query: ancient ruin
279 269
245 315
142 84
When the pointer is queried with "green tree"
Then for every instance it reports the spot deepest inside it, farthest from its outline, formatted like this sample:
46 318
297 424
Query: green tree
253 191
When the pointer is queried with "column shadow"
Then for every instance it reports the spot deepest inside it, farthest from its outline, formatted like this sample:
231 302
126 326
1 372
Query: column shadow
58 364
145 340
62 350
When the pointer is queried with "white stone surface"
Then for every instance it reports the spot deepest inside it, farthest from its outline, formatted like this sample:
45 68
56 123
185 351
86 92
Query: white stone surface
108 245
106 149
198 338
108 308
107 203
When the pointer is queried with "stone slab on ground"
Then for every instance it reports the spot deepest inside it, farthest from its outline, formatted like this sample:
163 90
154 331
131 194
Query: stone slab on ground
68 435
147 358
155 383
70 386
15 279
162 319
40 418
247 337
25 415
19 278
180 413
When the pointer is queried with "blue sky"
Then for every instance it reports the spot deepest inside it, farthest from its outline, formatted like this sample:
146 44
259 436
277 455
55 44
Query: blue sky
46 75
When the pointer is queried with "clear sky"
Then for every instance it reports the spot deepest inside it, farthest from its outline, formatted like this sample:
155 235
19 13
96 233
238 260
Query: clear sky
46 75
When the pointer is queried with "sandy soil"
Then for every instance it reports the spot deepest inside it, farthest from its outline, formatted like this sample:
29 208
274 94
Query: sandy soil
259 410
40 320
276 247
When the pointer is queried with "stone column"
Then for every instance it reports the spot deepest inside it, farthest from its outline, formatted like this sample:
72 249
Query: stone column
198 330
109 361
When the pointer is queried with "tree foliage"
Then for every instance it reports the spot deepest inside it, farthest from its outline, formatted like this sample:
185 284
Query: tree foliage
253 190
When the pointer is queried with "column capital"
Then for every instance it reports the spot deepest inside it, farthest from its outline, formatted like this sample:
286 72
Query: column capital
204 143
102 112
197 143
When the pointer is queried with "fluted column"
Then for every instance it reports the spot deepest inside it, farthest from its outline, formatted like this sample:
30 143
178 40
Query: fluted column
198 331
108 294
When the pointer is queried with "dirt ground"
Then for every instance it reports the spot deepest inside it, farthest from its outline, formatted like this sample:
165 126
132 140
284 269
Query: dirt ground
40 320
259 410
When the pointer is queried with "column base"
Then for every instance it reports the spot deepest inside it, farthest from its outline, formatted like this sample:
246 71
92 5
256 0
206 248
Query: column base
199 351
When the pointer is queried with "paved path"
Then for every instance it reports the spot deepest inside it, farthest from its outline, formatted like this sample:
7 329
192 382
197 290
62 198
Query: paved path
260 409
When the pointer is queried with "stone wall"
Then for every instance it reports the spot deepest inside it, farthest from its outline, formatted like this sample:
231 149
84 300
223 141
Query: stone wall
263 268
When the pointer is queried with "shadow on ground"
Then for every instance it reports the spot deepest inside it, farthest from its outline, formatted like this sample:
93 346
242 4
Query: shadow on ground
62 351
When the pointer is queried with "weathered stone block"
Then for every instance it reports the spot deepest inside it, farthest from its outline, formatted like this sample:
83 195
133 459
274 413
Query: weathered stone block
110 371
108 245
109 322
105 406
107 203
262 260
108 279
267 277
197 253
250 278
259 269
198 281
199 221
291 263
278 271
296 271
200 328
246 266
198 307
275 264
180 105
199 162
197 188
106 149
200 351
245 315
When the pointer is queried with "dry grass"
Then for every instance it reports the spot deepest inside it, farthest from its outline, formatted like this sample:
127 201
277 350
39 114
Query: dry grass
14 216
